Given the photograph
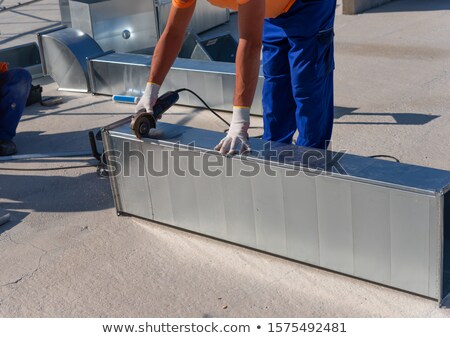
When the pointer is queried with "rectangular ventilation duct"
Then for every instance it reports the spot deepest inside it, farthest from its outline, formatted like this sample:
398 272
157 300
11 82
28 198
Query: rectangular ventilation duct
377 220
127 74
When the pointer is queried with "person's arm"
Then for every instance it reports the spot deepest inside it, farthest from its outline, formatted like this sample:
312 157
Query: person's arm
166 51
250 22
170 43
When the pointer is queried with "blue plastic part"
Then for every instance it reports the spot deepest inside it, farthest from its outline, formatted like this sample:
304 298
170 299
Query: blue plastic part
125 99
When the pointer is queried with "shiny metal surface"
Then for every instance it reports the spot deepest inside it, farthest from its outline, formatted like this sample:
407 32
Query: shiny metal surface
119 74
381 227
410 216
335 224
137 189
126 74
219 48
302 238
63 54
445 245
64 9
123 26
193 49
23 56
206 16
371 226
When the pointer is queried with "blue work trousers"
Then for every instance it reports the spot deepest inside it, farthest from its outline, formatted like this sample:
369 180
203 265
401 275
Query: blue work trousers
15 86
298 64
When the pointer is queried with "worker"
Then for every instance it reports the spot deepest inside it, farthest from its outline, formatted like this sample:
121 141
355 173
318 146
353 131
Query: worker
297 59
15 86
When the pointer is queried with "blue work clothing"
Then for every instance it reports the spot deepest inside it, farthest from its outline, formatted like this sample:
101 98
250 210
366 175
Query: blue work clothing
15 86
298 66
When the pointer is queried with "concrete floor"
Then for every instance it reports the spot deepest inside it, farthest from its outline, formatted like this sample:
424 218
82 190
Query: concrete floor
65 253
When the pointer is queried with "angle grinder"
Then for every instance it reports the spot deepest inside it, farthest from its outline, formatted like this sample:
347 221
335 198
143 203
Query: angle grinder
142 122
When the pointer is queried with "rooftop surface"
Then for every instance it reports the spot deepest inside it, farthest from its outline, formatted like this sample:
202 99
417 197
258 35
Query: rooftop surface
65 253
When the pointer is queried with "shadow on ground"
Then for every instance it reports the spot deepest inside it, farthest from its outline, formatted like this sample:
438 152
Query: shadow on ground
29 114
33 31
25 194
412 119
16 218
38 142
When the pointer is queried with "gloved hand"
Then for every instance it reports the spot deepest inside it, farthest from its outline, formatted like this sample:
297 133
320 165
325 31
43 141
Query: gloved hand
148 99
237 137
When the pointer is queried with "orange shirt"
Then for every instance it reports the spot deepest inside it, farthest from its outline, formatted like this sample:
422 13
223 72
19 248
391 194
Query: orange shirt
3 67
273 7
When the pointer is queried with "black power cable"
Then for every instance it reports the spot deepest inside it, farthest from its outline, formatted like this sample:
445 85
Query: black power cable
212 110
204 103
386 156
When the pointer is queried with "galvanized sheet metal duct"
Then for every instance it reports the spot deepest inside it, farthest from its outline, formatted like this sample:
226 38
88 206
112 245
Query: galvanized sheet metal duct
206 16
126 74
123 26
23 56
380 221
63 54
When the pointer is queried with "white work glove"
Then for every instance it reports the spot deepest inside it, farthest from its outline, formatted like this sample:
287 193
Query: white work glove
237 137
148 99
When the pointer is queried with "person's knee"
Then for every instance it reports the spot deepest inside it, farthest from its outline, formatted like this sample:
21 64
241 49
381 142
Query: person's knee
20 76
19 82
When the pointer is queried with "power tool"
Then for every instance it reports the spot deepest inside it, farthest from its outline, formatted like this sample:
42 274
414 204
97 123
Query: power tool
142 122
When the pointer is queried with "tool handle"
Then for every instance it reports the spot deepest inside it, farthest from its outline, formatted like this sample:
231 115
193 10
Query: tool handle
164 102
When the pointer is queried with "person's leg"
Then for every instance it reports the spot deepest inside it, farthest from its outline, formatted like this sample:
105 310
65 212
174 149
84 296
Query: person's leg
278 102
15 86
312 85
310 30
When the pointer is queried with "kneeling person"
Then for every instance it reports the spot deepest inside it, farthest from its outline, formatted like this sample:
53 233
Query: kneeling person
15 87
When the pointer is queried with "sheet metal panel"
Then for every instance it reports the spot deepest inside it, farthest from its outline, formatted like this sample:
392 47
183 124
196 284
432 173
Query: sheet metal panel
23 56
301 218
410 228
126 74
210 201
387 231
371 232
182 194
269 212
63 54
163 210
435 246
444 241
131 180
206 16
239 212
335 224
122 26
64 10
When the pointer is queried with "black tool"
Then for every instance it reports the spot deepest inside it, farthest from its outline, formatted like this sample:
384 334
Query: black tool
143 122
